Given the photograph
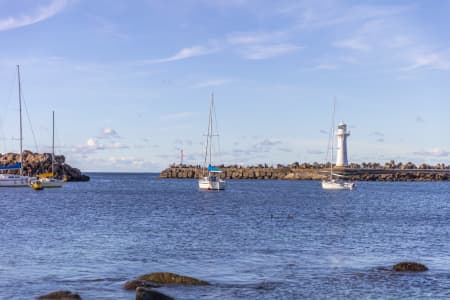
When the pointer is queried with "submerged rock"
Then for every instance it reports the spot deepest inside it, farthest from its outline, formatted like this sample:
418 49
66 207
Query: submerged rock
143 293
171 278
409 267
60 295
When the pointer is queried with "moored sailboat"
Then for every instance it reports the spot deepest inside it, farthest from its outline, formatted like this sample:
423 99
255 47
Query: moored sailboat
14 180
333 183
48 180
210 175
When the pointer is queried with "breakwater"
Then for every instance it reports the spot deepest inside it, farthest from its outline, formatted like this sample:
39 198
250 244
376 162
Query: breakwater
390 171
39 163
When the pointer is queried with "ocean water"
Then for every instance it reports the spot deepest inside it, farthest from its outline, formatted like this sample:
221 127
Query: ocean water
256 240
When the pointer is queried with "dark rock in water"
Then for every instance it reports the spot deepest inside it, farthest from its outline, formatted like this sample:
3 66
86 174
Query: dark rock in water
60 295
40 163
409 267
133 284
143 293
171 278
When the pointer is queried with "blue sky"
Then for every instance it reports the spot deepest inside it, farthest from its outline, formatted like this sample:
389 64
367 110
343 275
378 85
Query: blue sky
130 81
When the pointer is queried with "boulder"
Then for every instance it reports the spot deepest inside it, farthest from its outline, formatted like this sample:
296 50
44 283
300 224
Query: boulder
134 284
143 293
60 295
409 267
171 278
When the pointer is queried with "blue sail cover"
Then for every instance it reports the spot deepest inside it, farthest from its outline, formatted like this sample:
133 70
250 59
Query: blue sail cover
214 169
11 167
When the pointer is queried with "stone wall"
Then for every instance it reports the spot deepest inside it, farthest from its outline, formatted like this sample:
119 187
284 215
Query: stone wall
316 171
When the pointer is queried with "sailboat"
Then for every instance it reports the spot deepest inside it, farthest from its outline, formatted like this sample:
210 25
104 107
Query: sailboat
333 183
210 176
14 180
48 180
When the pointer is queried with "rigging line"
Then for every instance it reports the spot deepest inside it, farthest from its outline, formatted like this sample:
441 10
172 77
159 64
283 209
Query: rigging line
5 109
218 137
29 122
330 146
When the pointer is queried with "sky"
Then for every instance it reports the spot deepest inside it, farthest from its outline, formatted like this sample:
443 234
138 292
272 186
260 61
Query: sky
130 81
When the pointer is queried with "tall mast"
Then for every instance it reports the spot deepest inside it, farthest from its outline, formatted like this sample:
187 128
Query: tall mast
211 127
332 137
53 143
20 118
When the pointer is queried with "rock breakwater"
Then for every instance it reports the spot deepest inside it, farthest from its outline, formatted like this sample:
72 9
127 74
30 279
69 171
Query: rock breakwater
390 171
39 163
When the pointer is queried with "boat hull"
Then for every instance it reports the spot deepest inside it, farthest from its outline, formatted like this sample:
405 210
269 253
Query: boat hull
337 185
14 180
51 183
207 184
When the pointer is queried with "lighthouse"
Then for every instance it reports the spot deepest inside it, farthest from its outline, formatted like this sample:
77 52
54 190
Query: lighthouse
342 134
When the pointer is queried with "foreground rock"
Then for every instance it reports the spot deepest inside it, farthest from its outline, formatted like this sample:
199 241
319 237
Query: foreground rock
134 284
143 293
409 267
38 163
60 295
171 278
158 279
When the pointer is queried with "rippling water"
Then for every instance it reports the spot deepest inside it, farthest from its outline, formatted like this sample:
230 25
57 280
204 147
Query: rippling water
256 240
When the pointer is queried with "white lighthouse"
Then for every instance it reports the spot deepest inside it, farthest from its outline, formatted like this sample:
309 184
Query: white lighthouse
342 134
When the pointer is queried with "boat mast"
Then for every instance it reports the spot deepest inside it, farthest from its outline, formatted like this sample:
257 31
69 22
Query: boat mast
20 119
53 143
210 130
332 138
208 142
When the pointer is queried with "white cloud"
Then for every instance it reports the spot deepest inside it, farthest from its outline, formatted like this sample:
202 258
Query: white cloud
186 53
42 13
109 133
92 145
435 152
243 38
429 59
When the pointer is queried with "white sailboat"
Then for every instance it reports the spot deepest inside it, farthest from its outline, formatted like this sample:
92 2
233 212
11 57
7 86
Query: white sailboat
333 183
13 180
210 177
48 180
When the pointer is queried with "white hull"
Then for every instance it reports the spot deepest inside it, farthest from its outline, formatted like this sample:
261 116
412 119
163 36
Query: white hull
337 185
7 180
51 183
207 184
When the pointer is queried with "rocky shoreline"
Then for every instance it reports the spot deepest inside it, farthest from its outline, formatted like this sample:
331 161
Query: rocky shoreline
145 286
390 171
39 163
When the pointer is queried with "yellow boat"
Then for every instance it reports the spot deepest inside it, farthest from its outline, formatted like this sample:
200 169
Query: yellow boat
36 185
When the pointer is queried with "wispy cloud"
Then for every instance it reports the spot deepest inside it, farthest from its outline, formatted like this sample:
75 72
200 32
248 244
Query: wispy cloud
377 134
186 53
108 133
92 145
261 45
245 38
429 59
40 14
259 52
435 152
